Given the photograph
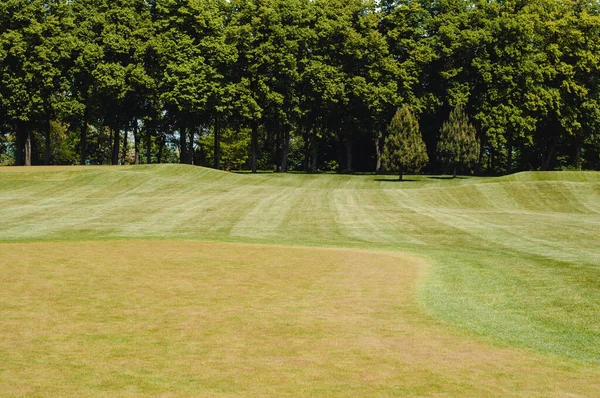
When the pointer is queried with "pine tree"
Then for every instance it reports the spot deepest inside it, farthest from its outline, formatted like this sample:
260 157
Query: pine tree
404 148
458 144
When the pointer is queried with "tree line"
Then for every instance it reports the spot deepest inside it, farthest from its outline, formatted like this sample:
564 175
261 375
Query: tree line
301 84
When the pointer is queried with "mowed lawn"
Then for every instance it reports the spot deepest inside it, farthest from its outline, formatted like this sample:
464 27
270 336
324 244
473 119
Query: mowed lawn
176 280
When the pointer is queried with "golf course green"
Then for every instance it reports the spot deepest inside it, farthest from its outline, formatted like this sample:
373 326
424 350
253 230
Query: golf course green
177 280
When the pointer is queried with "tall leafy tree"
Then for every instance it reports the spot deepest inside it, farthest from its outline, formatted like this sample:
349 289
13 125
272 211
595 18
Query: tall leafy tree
303 79
120 76
252 24
87 54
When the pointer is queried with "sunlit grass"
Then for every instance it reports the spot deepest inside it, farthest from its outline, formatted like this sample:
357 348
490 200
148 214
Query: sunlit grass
512 260
129 318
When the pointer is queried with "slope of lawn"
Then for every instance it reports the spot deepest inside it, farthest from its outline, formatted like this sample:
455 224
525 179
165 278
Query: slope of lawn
511 262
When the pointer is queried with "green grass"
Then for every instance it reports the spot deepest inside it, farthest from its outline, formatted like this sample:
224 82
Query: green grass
514 260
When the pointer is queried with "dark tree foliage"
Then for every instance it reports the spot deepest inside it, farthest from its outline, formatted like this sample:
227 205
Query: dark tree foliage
458 144
300 84
404 149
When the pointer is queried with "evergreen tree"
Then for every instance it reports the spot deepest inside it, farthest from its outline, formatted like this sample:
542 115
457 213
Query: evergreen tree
458 144
404 149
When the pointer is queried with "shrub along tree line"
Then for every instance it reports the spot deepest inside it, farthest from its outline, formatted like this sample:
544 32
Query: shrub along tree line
301 84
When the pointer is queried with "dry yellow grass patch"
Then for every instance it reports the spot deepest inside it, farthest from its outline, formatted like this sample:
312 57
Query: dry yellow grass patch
185 318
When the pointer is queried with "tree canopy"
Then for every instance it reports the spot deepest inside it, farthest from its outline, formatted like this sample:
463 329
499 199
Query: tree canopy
298 84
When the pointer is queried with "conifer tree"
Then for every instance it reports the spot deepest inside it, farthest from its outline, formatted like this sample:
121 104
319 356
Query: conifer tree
458 144
404 148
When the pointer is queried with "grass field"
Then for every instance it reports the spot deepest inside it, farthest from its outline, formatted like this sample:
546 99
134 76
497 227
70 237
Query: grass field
179 280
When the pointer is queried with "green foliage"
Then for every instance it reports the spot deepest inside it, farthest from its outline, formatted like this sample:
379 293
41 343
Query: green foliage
327 73
404 148
458 144
6 150
62 144
234 149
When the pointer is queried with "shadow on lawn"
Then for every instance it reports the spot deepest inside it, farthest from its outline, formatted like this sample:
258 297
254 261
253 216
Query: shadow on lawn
446 178
244 172
396 180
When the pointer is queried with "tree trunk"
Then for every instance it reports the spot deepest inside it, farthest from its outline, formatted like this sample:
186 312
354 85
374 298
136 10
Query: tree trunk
83 136
161 146
377 155
28 148
254 146
522 158
47 143
479 166
400 175
191 151
124 149
201 154
509 159
314 162
285 149
110 139
548 160
454 174
217 144
136 142
182 146
20 143
577 157
278 146
307 150
116 141
348 148
148 144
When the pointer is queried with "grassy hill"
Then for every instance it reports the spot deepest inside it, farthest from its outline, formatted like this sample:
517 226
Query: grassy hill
515 260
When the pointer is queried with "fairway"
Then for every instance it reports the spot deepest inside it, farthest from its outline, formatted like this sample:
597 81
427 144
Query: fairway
174 280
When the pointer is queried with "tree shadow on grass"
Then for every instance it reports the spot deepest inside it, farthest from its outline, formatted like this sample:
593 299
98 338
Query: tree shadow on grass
446 178
249 173
396 180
